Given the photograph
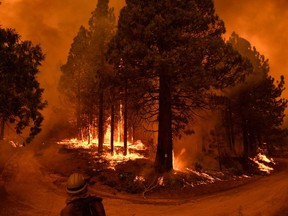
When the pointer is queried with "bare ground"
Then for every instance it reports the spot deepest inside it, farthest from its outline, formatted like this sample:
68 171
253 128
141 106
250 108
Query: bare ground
33 183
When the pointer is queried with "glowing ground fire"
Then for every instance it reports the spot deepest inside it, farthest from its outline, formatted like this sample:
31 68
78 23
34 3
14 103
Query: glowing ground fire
259 159
116 157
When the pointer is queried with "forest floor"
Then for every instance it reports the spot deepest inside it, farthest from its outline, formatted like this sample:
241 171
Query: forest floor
33 182
134 176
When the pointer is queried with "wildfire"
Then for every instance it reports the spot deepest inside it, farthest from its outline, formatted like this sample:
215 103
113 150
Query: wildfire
179 164
113 159
259 159
202 174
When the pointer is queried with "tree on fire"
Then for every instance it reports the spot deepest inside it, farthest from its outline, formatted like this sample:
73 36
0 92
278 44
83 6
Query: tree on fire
174 53
102 24
256 105
86 73
20 92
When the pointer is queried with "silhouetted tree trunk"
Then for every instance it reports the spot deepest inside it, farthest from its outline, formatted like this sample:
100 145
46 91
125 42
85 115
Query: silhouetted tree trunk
229 126
219 151
100 122
253 142
125 115
101 96
164 160
246 141
112 129
78 113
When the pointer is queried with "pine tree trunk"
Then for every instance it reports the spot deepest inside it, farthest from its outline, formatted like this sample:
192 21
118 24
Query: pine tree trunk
125 113
78 111
101 122
253 143
246 141
230 128
164 160
112 129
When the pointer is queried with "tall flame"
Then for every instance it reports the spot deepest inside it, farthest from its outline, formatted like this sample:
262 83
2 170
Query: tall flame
178 163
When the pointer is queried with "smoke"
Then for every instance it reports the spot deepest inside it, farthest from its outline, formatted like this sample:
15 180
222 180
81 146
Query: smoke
264 24
52 24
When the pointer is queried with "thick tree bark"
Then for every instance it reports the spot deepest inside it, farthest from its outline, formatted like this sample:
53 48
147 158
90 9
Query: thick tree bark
112 129
164 160
125 113
101 122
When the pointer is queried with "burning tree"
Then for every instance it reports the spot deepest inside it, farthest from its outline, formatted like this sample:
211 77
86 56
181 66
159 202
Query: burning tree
86 74
256 105
20 92
174 53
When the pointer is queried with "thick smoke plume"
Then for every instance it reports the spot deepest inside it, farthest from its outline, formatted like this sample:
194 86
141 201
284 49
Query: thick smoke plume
264 24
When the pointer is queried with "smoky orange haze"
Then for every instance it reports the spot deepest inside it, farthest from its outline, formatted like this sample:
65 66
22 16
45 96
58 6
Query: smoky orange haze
53 24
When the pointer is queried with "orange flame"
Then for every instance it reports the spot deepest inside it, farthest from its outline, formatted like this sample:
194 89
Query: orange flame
179 164
261 166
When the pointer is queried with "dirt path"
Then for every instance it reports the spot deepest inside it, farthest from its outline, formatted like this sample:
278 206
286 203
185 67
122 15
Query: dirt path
30 191
265 197
29 188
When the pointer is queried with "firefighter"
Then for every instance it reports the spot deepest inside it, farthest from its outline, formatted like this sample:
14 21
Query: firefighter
80 202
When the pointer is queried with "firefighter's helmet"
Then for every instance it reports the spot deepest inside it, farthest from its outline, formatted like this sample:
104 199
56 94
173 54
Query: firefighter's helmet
76 184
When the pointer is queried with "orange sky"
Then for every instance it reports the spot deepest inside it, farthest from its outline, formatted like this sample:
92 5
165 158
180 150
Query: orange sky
264 24
54 24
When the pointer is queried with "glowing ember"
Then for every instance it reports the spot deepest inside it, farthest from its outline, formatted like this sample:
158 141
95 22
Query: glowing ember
139 179
160 181
15 144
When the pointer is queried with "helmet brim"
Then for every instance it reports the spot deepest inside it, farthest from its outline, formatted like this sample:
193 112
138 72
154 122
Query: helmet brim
76 190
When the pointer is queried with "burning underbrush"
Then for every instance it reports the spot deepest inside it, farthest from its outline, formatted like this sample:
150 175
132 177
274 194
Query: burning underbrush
262 164
134 173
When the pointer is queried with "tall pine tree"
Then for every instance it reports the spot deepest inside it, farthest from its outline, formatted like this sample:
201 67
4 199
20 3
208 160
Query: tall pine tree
87 67
257 104
175 55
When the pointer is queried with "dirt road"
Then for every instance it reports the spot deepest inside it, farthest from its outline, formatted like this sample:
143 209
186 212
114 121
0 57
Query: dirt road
265 197
28 190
